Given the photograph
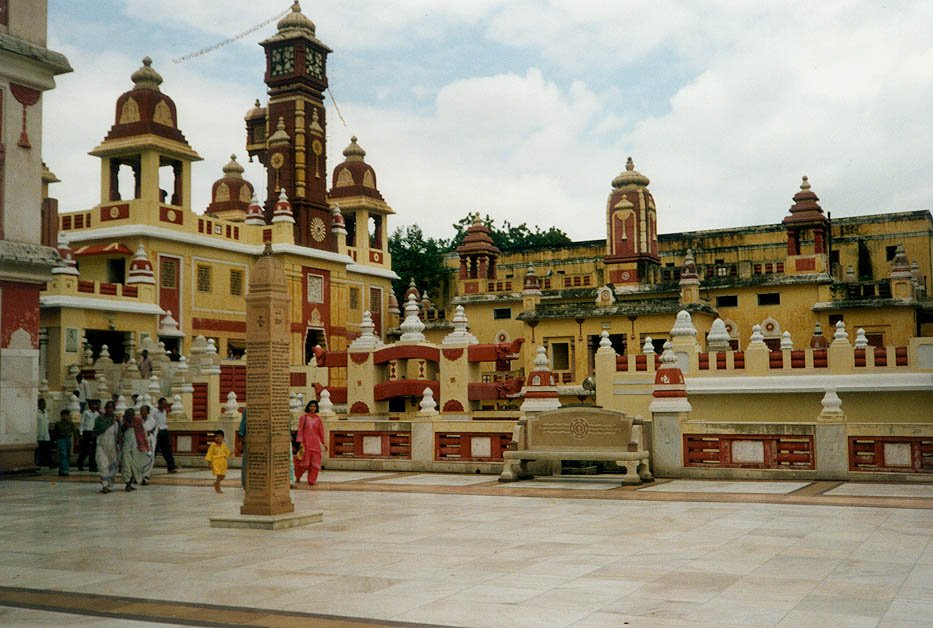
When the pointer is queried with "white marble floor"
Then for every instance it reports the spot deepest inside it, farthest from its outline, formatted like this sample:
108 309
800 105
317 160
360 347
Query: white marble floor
439 479
478 560
883 490
565 483
719 486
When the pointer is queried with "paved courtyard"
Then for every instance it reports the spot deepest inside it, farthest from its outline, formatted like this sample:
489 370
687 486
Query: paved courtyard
465 551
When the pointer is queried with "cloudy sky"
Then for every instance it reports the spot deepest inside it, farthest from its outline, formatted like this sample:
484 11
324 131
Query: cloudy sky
526 109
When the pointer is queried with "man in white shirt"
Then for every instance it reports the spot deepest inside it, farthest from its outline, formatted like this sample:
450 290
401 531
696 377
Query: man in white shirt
82 390
43 441
163 442
88 442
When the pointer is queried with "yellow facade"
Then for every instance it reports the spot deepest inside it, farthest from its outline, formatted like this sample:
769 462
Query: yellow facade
144 251
784 277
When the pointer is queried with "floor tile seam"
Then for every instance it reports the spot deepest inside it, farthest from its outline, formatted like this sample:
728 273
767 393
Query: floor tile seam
856 501
145 617
122 601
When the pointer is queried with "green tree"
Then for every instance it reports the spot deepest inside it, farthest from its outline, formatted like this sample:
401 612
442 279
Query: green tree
414 255
511 238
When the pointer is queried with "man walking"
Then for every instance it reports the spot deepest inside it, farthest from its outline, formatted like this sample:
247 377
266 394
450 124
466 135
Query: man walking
88 443
163 442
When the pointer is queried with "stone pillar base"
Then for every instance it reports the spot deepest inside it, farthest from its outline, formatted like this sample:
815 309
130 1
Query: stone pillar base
268 522
18 458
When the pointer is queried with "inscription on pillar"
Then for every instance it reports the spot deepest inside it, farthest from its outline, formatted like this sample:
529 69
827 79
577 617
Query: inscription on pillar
268 440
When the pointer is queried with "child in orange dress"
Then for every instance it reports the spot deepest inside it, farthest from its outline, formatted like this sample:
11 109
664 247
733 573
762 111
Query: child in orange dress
217 455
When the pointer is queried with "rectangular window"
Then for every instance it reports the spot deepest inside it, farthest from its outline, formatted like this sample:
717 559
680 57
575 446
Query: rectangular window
875 339
116 270
502 313
890 252
169 273
236 282
769 298
315 289
354 298
560 356
204 278
727 300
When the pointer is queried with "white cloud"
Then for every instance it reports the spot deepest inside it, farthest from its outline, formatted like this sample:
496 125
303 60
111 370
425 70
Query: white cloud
839 91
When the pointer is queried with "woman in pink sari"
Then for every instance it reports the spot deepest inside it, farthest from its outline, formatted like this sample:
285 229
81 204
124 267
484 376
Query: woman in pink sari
311 438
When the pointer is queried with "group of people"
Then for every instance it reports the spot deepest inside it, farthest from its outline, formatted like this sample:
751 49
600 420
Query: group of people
109 443
128 444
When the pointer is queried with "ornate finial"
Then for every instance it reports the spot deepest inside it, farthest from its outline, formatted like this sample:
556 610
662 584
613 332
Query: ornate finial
315 126
257 103
805 183
630 176
683 325
233 169
280 136
296 20
541 362
648 347
861 340
412 327
604 341
787 344
267 249
354 151
718 338
145 77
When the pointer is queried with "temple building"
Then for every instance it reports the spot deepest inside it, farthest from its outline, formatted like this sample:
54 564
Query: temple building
798 275
145 270
27 69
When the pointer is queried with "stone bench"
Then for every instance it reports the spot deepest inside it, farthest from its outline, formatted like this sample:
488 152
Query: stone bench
576 434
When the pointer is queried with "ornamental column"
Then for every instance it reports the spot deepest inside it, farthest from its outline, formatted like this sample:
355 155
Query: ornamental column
268 440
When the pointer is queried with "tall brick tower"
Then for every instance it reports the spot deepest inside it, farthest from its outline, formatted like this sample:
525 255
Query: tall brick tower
288 136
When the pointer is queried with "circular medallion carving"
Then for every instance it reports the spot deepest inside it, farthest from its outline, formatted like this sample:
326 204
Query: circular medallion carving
318 230
114 212
579 428
317 147
625 275
170 215
277 160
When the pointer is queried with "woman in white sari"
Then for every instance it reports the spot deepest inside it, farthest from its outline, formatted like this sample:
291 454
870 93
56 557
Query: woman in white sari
152 431
134 448
107 454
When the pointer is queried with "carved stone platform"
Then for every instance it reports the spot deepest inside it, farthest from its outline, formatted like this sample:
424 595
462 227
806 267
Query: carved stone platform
268 522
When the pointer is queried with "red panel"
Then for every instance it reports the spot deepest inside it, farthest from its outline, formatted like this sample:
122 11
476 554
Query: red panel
169 214
350 445
452 405
216 324
405 388
805 263
170 284
19 307
780 452
298 380
471 287
114 212
199 402
457 447
406 352
452 354
866 453
338 394
479 391
232 377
